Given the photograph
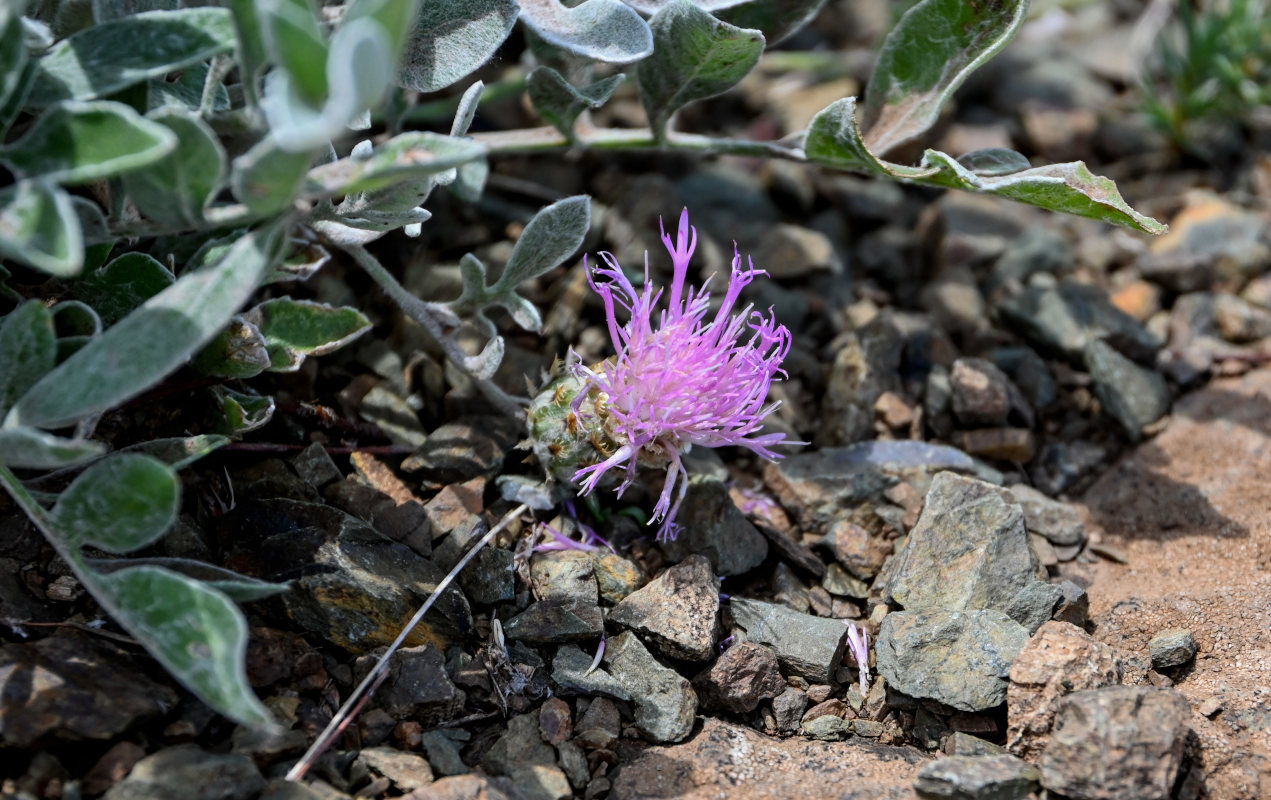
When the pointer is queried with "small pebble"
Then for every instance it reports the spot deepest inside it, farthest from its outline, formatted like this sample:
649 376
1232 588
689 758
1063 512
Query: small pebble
1172 648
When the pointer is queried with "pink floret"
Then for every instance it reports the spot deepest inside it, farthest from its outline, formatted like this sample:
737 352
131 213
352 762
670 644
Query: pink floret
692 379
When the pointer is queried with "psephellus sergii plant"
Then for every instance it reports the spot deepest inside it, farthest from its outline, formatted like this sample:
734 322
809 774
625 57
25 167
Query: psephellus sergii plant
692 379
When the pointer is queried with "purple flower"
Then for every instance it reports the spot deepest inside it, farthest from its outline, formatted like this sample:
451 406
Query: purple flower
858 643
690 378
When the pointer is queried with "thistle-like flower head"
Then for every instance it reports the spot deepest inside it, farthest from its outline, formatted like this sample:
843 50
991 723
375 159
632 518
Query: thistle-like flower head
683 375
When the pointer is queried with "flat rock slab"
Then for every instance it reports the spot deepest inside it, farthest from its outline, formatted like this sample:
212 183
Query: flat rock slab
1002 777
805 645
73 687
1117 743
192 773
665 703
960 658
728 760
1188 509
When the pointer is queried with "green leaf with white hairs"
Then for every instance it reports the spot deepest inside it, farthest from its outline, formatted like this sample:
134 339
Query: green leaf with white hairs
180 451
406 157
234 586
553 235
930 52
601 30
28 350
267 177
559 103
118 288
297 45
238 351
186 92
175 190
295 329
13 50
76 142
467 109
835 140
193 630
119 504
777 19
396 17
451 39
151 342
39 228
695 56
252 53
31 448
105 58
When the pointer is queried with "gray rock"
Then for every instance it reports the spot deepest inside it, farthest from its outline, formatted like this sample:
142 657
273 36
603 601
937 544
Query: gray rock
1074 606
788 707
866 366
73 687
488 578
315 466
1117 743
1036 250
1058 522
793 251
740 678
191 773
665 704
964 744
969 550
1133 395
827 728
522 755
556 621
861 553
1028 371
817 486
981 393
573 761
1060 465
282 789
1035 605
417 686
839 582
712 525
564 575
808 646
1002 777
442 747
570 672
1239 320
355 586
1063 320
1216 241
675 613
464 449
1172 648
960 658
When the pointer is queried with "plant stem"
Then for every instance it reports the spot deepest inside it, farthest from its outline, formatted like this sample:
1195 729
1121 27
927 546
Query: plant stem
537 140
375 677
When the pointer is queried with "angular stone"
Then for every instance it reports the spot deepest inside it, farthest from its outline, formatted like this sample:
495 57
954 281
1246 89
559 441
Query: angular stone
808 646
465 787
1003 777
817 487
522 755
969 550
564 575
1117 743
675 613
788 708
554 721
464 449
1064 319
489 578
860 553
1058 522
712 525
1172 648
1060 659
616 577
417 686
1074 608
1133 395
73 687
1000 444
407 771
665 704
1034 606
571 670
827 728
191 773
739 679
556 621
960 658
351 585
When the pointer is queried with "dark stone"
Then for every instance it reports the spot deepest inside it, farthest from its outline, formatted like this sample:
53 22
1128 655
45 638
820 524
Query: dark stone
464 449
808 646
73 687
711 525
191 773
866 366
1172 648
1063 320
665 704
556 621
1133 395
417 687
